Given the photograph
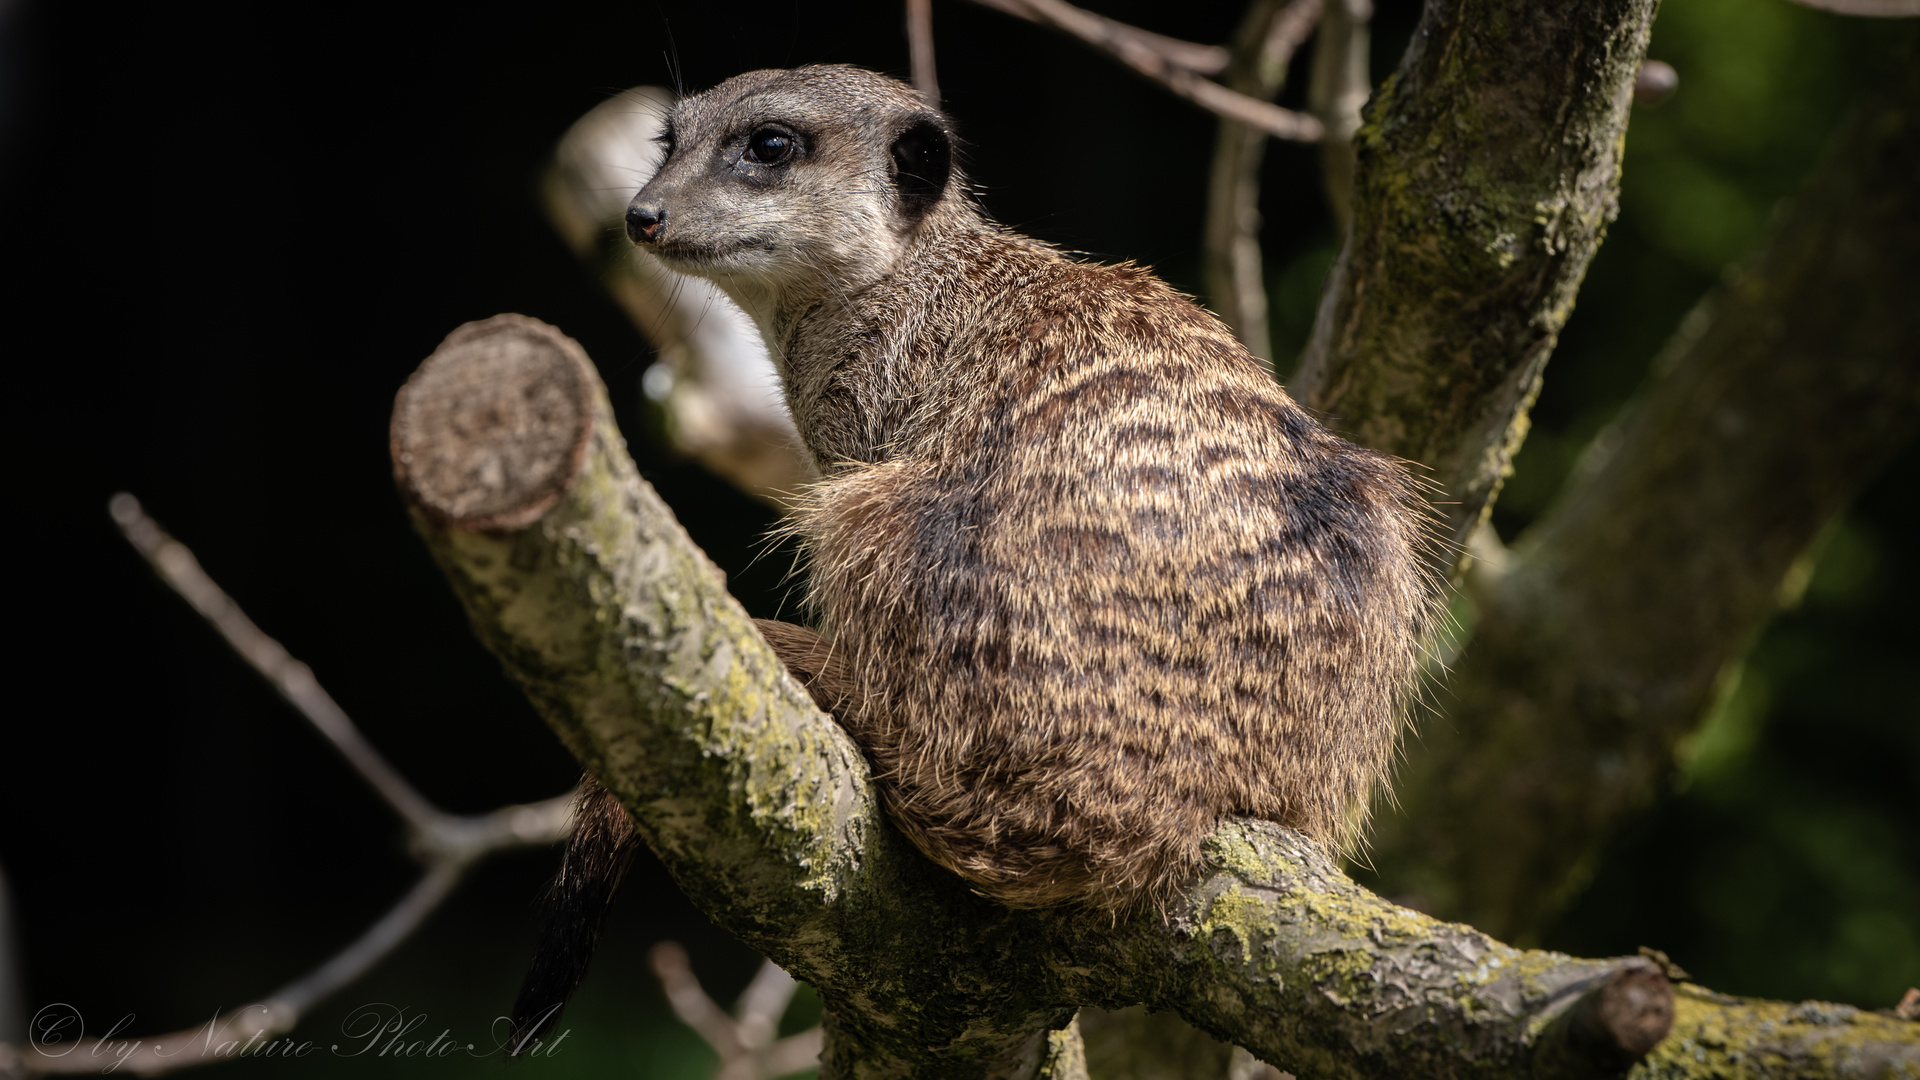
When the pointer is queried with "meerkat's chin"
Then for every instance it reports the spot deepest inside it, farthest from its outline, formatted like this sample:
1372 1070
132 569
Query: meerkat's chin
748 257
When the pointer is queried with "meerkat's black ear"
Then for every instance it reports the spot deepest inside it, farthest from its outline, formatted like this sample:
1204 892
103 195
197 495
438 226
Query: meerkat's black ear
922 161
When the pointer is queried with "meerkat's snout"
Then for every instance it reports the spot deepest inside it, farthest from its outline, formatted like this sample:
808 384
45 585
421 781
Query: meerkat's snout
644 222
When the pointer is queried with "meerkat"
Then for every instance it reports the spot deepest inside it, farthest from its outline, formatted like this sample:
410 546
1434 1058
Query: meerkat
1088 580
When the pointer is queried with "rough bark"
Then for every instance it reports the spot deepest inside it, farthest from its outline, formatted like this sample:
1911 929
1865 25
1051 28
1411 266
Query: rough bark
1612 625
1488 169
624 638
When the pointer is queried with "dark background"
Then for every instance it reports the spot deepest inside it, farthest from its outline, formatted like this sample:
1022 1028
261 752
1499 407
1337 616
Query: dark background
230 232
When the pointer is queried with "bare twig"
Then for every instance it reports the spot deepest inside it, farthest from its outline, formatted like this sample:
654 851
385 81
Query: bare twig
1244 1066
436 833
293 679
13 1002
920 48
1263 50
446 844
763 1003
1339 87
379 940
1167 61
744 1040
690 1001
790 1055
249 1031
1873 9
1195 57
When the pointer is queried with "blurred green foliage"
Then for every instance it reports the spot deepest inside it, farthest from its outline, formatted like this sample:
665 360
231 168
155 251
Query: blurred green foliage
1786 862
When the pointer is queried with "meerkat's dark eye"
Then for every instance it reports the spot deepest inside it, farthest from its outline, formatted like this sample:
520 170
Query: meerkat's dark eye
769 146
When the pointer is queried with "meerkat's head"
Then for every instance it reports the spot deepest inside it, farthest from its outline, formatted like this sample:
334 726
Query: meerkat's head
806 179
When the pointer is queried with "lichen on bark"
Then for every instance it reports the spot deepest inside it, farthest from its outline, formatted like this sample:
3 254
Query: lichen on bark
624 637
1488 169
1781 395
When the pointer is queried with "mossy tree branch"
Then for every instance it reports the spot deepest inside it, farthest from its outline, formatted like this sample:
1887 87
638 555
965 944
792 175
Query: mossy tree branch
1608 632
1488 168
578 578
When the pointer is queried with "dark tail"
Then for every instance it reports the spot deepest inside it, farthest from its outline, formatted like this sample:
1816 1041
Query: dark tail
598 853
604 842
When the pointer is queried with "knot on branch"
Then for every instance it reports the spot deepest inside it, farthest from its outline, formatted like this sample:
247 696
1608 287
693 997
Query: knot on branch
1608 1029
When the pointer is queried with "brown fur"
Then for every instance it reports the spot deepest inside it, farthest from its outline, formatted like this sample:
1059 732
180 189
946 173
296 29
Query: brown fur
1096 581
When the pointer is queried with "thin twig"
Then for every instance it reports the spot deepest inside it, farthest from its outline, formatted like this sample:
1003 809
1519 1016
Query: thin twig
1271 33
353 961
1872 9
436 833
13 999
250 1031
1195 57
1165 61
294 680
745 1039
763 1003
790 1055
690 1001
470 837
920 48
1338 89
447 844
1287 31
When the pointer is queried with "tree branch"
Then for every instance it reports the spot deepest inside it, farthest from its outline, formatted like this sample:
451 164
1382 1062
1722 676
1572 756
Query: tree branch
744 1041
1877 9
445 844
1616 619
713 379
1176 65
920 49
250 1029
1339 88
1488 169
577 577
1269 35
1097 29
13 999
292 679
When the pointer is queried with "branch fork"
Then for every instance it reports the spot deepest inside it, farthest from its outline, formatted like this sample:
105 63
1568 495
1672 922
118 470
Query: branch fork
762 809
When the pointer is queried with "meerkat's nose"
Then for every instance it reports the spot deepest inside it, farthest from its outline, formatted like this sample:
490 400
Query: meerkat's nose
643 223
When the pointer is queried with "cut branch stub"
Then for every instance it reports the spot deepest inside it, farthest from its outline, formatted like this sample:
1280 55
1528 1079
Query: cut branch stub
492 429
1611 1027
580 580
